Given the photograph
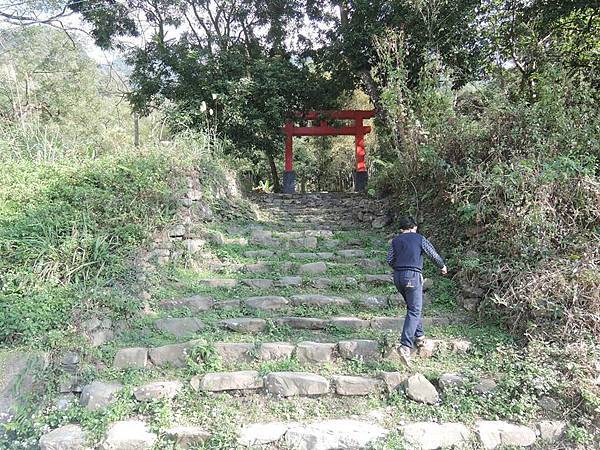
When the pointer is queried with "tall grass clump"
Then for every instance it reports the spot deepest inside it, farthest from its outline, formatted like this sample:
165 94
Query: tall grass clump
70 225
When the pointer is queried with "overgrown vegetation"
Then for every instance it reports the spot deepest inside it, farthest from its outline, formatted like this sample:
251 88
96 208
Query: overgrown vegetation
69 225
512 184
521 179
488 131
77 199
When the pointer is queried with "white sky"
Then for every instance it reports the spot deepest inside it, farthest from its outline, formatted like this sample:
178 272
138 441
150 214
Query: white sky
311 30
79 30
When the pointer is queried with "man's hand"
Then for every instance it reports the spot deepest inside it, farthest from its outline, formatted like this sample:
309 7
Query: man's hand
444 270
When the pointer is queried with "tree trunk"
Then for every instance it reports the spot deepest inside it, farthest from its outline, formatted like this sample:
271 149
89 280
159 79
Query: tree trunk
274 175
371 88
136 130
373 92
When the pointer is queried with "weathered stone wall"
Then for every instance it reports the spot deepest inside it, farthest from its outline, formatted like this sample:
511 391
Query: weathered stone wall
197 204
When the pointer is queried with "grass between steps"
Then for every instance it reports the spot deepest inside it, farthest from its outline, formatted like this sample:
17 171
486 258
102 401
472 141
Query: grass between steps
141 331
223 413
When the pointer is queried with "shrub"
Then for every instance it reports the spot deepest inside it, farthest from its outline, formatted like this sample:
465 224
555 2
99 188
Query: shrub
518 182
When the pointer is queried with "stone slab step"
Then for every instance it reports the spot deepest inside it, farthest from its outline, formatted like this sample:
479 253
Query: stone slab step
303 226
244 324
179 327
386 323
157 390
268 240
227 381
286 234
314 217
269 283
267 265
355 434
306 352
294 384
318 300
326 434
136 358
122 435
129 434
184 326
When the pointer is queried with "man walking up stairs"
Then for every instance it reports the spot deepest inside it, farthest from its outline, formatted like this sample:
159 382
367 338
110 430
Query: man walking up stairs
406 258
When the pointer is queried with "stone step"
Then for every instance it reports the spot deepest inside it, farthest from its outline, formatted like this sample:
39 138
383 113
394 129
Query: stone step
305 280
313 217
287 384
123 435
186 326
362 434
266 261
294 383
386 323
283 225
310 210
305 264
281 233
306 352
293 240
339 224
333 222
330 209
335 212
326 434
336 227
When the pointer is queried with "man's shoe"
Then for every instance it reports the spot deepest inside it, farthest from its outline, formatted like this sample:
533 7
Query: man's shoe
420 341
404 353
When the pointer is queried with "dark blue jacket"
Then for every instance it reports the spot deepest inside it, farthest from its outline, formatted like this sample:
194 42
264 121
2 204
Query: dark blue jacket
406 252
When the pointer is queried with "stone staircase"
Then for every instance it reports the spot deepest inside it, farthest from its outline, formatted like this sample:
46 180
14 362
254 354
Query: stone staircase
327 210
286 339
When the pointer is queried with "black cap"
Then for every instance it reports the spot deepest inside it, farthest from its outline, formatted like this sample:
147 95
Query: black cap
406 223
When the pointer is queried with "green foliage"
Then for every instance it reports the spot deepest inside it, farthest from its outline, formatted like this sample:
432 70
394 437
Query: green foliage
203 357
579 435
245 55
445 28
248 94
69 224
246 66
535 35
55 102
507 167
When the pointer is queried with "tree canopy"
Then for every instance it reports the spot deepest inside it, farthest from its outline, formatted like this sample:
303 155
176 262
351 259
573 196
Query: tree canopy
253 61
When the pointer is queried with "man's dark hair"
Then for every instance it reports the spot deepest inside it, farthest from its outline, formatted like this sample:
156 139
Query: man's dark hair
406 223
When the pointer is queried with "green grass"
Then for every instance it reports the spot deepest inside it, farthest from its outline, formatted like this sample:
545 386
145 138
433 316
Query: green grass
68 227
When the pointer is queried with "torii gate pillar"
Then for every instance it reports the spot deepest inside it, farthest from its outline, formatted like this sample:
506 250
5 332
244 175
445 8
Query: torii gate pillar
358 130
361 176
289 176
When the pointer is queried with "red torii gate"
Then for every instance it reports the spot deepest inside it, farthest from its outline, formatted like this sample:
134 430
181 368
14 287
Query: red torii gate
324 129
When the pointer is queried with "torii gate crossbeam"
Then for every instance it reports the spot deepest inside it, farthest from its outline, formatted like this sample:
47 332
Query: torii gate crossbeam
358 130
